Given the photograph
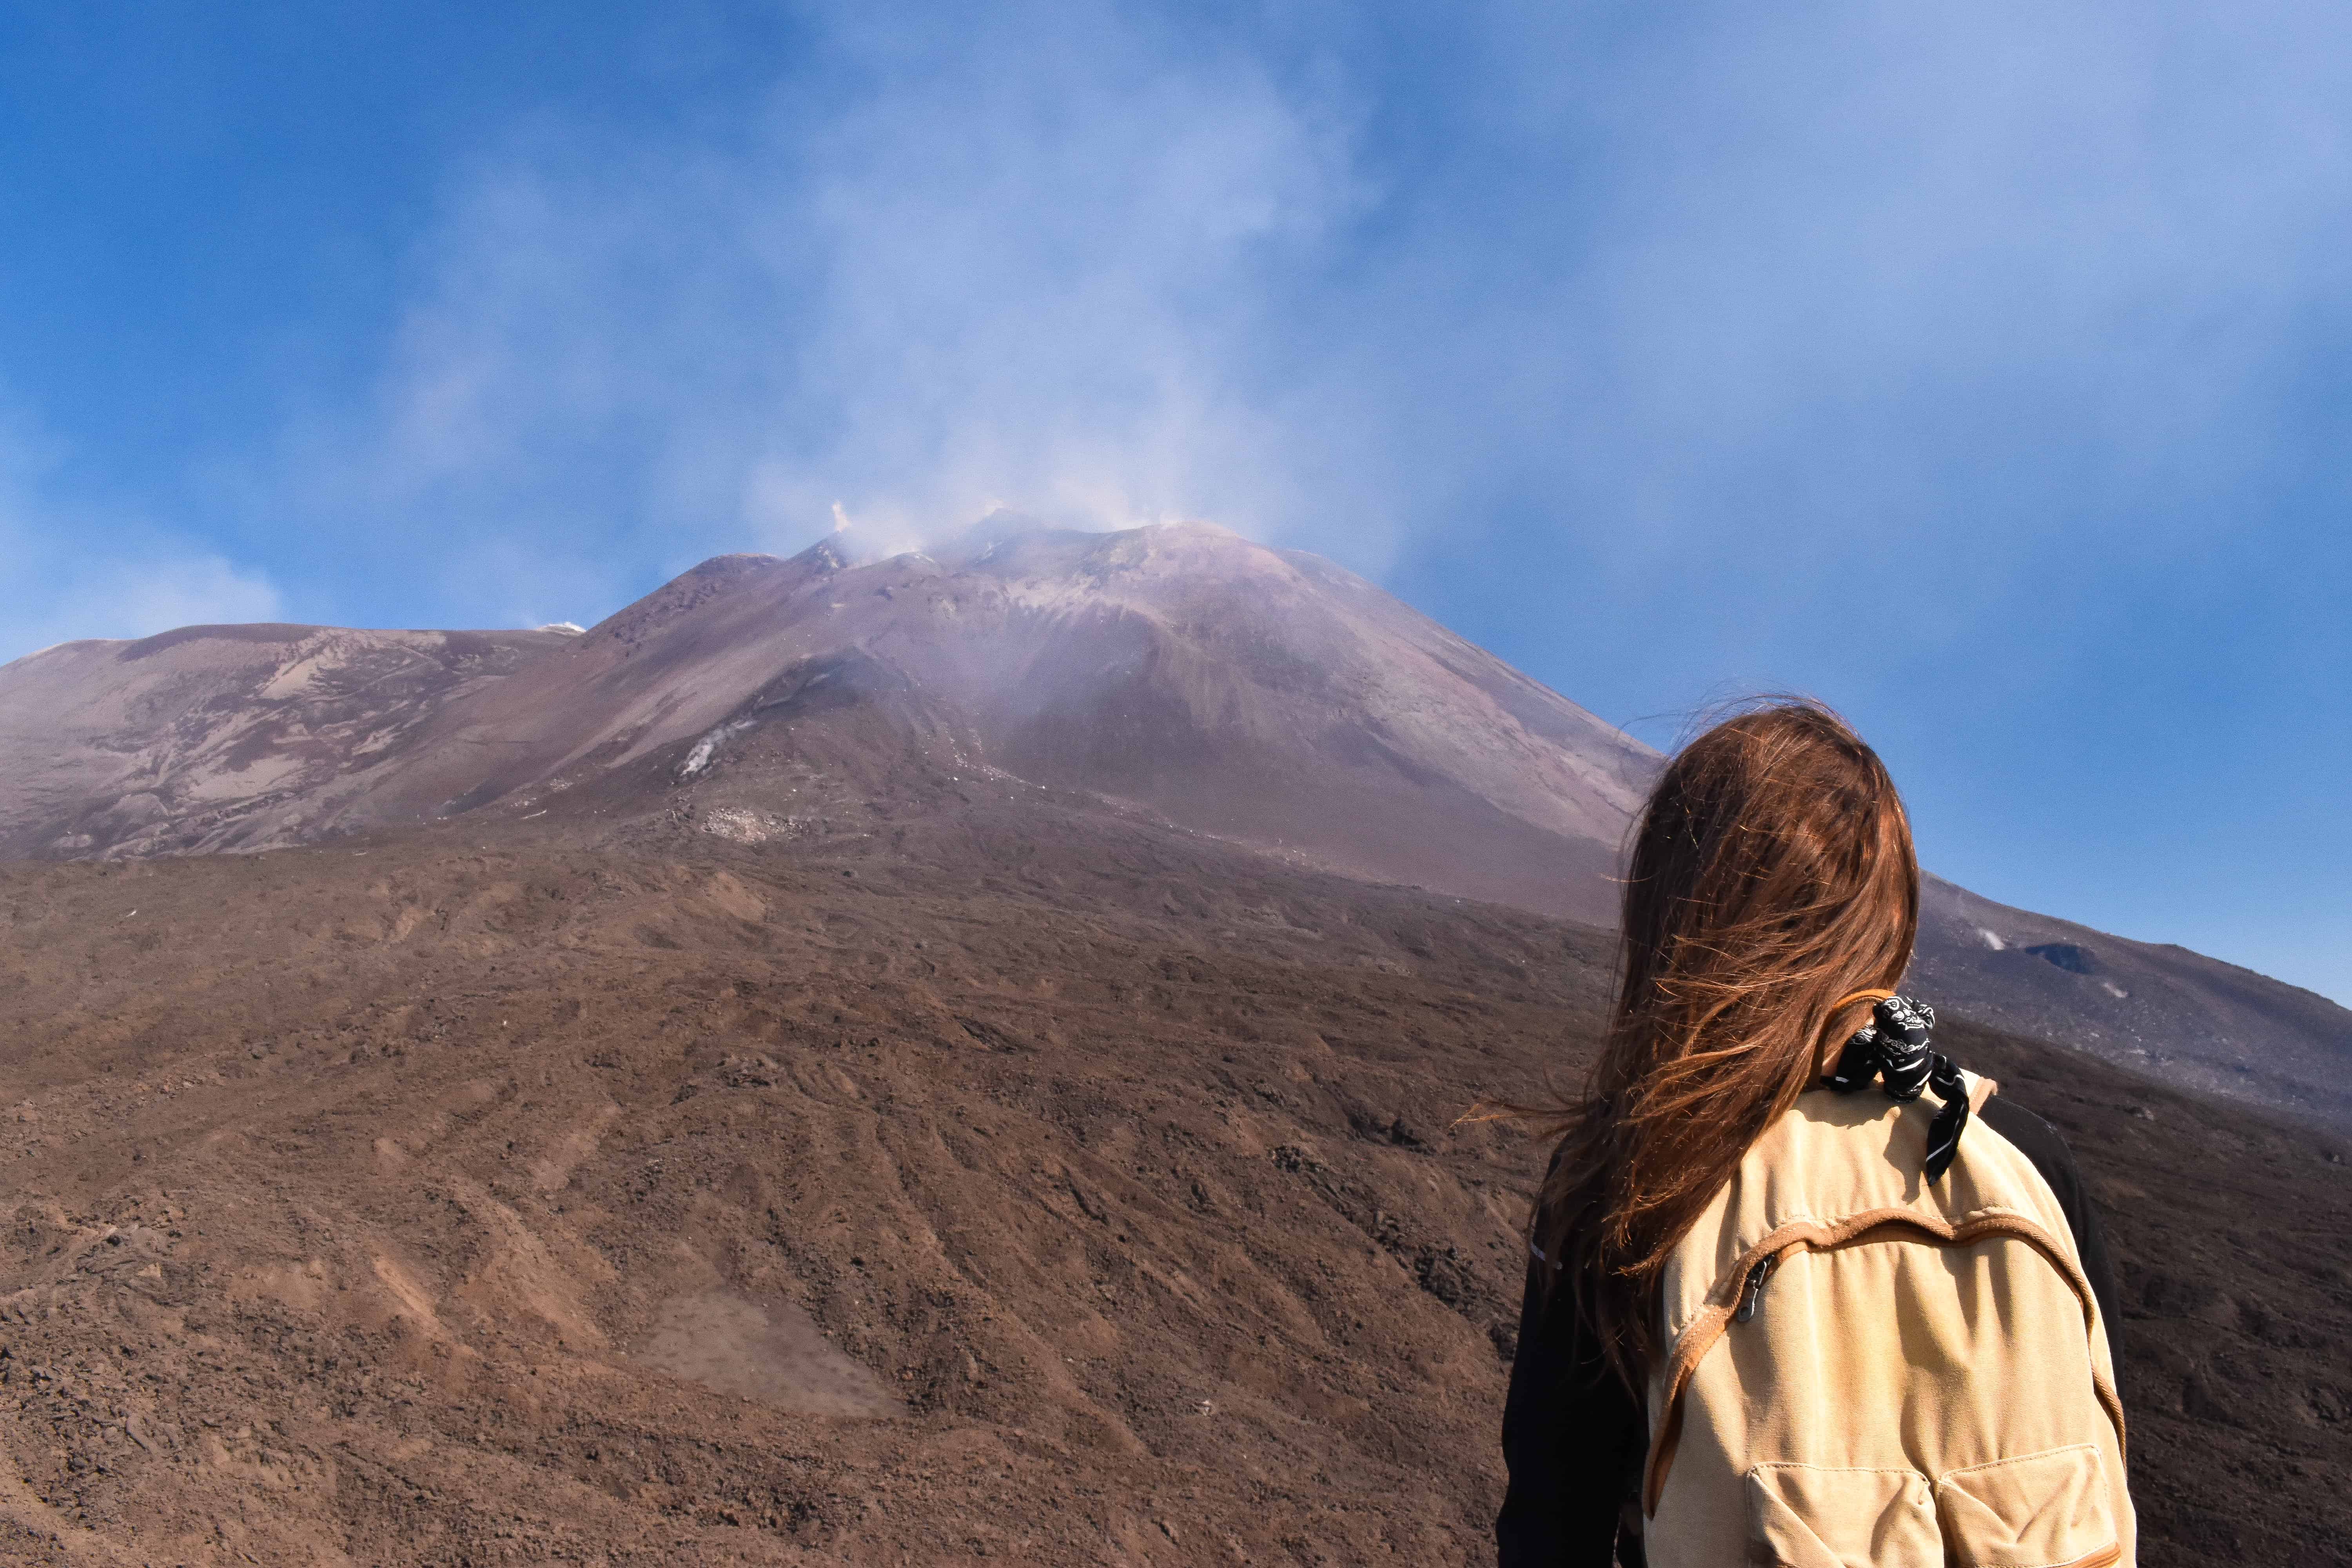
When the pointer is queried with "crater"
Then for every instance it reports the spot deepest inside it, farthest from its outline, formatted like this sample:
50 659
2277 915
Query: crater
2067 956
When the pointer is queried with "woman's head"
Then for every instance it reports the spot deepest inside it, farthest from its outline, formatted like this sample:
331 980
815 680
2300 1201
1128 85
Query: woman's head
1771 876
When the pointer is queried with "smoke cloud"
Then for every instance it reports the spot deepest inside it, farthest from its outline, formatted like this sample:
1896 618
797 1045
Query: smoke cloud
1024 255
1790 289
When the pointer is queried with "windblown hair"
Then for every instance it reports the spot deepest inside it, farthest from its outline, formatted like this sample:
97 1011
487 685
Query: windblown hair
1771 876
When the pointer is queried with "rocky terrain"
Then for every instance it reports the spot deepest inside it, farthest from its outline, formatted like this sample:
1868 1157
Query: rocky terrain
997 1182
2156 1010
180 743
920 1061
1178 675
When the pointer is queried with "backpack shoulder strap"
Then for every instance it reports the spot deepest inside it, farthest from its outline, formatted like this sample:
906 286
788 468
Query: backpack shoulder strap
1836 1171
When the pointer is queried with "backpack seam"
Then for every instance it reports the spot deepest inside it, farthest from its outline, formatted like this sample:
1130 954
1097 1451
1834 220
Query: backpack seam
2020 1458
1842 1469
2102 1558
1795 1230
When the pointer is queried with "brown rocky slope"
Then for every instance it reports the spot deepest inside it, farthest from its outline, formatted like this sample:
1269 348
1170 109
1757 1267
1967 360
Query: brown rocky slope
997 1179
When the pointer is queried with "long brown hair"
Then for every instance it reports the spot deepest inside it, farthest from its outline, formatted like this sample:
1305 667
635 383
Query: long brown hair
1771 876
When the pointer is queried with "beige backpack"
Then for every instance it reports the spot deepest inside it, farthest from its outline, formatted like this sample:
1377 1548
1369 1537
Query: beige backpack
1865 1367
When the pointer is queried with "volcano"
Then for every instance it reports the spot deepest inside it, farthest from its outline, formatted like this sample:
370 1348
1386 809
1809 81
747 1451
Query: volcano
921 1059
1179 675
1257 695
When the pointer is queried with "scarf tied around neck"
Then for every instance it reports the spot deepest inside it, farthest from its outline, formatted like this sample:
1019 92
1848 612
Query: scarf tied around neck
1893 1048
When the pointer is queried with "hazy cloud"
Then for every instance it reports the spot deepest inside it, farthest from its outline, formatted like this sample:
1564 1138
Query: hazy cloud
1983 368
1807 286
67 571
1866 269
1027 257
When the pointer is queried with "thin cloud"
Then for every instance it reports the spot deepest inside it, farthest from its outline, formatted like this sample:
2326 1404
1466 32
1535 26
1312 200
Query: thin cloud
1029 264
1793 290
67 572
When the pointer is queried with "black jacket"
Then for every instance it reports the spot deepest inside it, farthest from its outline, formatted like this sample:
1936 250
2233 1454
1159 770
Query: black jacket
1573 1437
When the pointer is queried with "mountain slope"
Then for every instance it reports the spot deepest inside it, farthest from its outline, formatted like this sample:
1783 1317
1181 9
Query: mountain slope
1180 677
213 738
2193 1021
1016 1183
1222 687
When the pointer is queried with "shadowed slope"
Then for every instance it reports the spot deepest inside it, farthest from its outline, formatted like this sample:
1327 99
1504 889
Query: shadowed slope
2192 1021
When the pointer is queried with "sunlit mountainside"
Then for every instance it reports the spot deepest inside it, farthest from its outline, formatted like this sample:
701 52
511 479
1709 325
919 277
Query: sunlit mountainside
1180 675
896 1058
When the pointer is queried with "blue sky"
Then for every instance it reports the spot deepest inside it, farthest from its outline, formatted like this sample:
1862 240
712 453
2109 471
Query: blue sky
1987 369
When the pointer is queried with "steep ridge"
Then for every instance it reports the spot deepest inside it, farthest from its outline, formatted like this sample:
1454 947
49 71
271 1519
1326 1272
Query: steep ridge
1180 677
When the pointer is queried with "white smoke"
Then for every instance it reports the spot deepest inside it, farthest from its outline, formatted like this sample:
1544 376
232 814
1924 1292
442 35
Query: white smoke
1025 259
1749 296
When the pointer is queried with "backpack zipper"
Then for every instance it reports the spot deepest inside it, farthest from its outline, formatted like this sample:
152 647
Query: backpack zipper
1751 1295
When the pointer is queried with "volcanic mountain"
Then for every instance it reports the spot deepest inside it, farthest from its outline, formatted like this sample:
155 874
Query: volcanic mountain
917 1061
1180 675
214 737
1258 695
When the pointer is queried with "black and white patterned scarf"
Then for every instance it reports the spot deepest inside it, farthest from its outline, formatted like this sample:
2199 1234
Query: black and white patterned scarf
1893 1048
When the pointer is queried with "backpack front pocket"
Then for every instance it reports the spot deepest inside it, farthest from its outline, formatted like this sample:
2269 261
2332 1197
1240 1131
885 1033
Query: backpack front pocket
2050 1510
1814 1516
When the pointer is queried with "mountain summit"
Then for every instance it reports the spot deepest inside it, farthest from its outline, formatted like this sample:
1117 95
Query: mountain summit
1179 676
1225 687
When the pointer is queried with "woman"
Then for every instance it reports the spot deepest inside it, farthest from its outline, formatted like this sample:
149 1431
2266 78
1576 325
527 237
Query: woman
1771 904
